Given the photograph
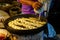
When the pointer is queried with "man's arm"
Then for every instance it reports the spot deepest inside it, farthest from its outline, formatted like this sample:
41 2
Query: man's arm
27 2
36 5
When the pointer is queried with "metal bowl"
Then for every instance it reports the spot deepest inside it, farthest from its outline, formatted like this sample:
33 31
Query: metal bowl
23 32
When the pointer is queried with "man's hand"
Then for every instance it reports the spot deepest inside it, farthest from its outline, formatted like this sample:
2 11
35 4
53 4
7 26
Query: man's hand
37 5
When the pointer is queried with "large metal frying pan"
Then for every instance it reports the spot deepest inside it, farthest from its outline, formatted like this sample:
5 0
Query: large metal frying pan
23 32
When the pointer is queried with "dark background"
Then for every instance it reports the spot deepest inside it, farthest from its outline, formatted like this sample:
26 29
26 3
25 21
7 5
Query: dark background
54 15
